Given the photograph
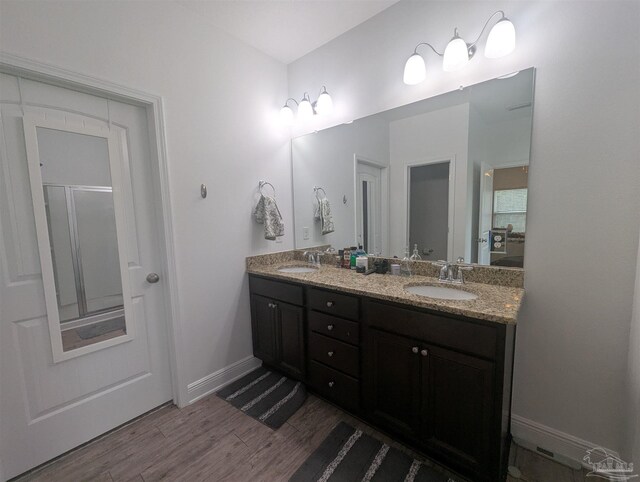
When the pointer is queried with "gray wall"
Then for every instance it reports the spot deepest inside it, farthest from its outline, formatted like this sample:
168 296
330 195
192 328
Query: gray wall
572 347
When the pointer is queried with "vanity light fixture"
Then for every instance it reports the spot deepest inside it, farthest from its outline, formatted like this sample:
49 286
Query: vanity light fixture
307 109
500 42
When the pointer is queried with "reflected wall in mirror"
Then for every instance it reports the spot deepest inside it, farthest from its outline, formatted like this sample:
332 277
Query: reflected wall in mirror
71 179
447 175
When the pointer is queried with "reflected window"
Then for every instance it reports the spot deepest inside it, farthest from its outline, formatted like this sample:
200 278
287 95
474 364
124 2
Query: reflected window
510 207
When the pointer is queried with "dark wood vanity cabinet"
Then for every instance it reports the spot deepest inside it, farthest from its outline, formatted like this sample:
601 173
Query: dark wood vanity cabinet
440 382
278 328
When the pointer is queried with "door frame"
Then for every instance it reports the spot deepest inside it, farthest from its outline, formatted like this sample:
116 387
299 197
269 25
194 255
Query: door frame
384 198
452 197
153 104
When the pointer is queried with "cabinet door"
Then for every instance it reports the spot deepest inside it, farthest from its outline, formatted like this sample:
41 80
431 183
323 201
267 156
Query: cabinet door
290 338
457 406
263 324
391 382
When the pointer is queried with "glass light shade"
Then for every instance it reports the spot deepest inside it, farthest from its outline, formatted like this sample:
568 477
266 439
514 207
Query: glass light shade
501 40
305 111
414 70
324 105
286 115
456 55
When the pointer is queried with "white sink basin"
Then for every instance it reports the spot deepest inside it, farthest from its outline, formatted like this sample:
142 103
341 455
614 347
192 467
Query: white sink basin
441 292
298 269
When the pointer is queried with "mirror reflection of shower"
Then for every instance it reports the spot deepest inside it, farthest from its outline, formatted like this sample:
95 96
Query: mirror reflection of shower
81 223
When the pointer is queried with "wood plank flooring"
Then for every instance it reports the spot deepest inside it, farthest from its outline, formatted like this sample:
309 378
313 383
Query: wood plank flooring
212 441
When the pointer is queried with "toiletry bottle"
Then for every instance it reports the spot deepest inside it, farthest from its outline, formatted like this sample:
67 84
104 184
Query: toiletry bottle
416 254
346 259
405 264
354 256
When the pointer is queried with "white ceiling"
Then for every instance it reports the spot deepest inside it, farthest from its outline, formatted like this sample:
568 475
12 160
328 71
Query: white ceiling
286 29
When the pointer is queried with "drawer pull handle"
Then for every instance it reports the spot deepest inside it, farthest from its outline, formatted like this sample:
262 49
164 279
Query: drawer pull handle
330 353
424 352
331 384
415 349
329 327
330 304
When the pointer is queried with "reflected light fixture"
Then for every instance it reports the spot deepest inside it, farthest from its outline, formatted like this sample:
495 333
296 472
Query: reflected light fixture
305 108
324 104
501 41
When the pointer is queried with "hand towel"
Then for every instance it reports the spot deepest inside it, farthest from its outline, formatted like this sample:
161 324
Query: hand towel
323 213
267 213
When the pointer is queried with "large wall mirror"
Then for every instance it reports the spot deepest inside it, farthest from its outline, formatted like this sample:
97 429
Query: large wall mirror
79 223
446 175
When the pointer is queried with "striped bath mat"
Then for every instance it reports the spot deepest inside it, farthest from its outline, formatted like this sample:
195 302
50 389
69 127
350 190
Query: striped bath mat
266 395
349 455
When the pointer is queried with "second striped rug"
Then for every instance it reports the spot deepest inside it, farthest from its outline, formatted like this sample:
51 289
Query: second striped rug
349 455
265 395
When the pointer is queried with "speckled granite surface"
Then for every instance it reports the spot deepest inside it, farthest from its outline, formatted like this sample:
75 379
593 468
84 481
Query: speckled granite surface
494 303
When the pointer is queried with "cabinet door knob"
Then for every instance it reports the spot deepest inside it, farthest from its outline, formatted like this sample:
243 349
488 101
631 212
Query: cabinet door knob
331 384
330 353
415 349
329 327
329 304
424 352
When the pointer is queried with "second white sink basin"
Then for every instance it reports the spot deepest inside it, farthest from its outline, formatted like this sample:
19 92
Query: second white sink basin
441 292
298 269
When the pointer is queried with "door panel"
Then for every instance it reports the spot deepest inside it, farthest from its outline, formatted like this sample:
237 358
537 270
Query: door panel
291 338
263 319
391 381
49 408
457 416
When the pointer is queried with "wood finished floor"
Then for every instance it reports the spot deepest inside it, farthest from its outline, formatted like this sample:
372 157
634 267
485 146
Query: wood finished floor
213 441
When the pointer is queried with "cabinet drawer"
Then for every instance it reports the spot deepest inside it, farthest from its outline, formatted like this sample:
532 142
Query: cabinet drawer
334 353
333 327
462 335
335 386
277 290
334 303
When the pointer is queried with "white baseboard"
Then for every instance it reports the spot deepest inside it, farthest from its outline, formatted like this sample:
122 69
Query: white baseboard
216 380
565 449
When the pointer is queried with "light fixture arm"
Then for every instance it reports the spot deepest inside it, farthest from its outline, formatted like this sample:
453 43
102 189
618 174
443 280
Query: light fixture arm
415 51
472 44
287 101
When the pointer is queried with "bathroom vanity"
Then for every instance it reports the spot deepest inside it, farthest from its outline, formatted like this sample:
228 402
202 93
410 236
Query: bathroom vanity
433 373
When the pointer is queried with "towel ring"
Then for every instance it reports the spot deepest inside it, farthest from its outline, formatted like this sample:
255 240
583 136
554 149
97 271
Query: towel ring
318 189
261 184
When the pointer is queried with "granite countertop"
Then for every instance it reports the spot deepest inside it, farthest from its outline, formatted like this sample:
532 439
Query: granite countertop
494 303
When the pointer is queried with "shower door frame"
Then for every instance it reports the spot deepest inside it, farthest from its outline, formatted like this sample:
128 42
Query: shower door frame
76 253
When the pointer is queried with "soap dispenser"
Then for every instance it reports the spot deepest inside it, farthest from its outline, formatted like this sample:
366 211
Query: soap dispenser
405 264
416 254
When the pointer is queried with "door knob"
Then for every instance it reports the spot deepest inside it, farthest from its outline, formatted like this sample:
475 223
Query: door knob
415 349
331 384
329 304
329 327
330 353
153 278
424 352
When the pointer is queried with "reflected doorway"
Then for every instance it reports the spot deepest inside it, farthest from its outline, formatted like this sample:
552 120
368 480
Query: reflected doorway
429 210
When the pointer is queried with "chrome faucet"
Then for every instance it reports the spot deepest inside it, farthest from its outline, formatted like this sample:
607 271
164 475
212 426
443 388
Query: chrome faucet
313 257
453 272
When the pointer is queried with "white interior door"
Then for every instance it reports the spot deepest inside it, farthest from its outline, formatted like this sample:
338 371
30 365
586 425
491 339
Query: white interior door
486 214
54 399
369 207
